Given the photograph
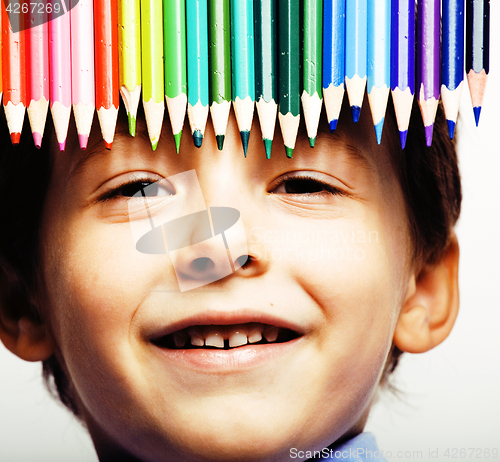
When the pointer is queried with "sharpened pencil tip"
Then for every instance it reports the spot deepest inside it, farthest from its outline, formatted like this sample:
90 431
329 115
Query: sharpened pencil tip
62 146
402 136
477 114
37 138
131 124
15 138
312 142
451 128
428 134
378 130
108 145
245 136
154 146
220 141
333 125
197 138
83 140
356 111
268 145
177 139
289 152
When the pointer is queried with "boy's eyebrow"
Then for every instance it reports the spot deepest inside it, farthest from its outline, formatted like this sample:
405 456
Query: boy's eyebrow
99 149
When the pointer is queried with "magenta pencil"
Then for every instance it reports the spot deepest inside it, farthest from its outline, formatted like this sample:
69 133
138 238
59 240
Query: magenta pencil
82 68
38 74
428 62
60 75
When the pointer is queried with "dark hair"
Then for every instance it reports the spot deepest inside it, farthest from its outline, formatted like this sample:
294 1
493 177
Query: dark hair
429 178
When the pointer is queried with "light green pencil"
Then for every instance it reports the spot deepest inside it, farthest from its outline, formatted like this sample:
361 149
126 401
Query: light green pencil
312 100
174 29
129 49
152 67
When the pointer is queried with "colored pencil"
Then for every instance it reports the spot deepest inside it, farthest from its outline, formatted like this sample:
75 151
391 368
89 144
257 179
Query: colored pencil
242 52
37 88
220 66
289 72
60 74
356 54
477 56
452 64
152 67
174 27
14 72
312 96
428 67
379 61
266 48
129 58
333 58
82 68
107 99
197 67
403 63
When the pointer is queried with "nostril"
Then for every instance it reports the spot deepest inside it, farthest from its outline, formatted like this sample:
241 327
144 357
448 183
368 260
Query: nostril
202 264
244 260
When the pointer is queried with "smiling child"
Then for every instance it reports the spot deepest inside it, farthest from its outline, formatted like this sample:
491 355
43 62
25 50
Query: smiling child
351 259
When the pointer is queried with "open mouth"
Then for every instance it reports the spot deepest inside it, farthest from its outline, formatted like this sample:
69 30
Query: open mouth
225 337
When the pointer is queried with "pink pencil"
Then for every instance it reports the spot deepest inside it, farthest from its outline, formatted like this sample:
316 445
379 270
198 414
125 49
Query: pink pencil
82 68
38 75
60 75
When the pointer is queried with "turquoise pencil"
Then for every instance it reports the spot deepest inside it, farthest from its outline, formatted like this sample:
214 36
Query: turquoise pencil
242 52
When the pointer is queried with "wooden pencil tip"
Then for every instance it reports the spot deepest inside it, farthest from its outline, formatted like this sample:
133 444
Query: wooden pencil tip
197 138
108 145
268 145
83 140
37 138
289 152
220 141
177 139
131 124
245 136
154 146
402 136
451 128
477 114
333 125
428 134
356 111
15 138
378 131
62 146
312 142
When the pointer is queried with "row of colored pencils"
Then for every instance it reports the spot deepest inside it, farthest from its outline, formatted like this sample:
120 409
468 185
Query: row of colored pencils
204 55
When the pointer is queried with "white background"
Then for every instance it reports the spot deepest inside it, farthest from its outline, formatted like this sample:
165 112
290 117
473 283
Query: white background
451 395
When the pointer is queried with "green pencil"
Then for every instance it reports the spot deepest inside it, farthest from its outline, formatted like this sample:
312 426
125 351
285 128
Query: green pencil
174 41
289 72
220 66
312 66
266 91
152 67
129 48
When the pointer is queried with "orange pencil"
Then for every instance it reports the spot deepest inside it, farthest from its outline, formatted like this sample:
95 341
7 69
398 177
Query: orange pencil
107 85
14 72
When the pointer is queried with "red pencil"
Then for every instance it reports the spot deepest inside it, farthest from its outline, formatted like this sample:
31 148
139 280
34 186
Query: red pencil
14 72
106 67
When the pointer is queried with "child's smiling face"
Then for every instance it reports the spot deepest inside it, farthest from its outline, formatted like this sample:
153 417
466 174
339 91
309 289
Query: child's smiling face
337 280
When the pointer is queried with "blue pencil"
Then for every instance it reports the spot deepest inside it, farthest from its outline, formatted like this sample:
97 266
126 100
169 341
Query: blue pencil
452 64
403 63
356 52
379 60
333 58
197 67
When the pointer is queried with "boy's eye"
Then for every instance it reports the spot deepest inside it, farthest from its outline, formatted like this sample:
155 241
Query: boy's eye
302 184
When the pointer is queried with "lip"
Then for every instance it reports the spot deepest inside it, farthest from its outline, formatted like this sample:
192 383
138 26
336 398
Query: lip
232 360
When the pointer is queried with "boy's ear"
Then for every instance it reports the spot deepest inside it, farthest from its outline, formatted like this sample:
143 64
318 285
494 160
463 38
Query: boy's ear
25 337
431 305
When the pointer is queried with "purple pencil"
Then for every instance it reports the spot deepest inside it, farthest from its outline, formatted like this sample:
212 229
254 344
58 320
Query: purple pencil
428 62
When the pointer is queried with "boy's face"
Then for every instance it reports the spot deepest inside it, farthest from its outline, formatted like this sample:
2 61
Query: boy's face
330 265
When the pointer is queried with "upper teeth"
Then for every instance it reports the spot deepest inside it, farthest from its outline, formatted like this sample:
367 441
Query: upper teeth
237 335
